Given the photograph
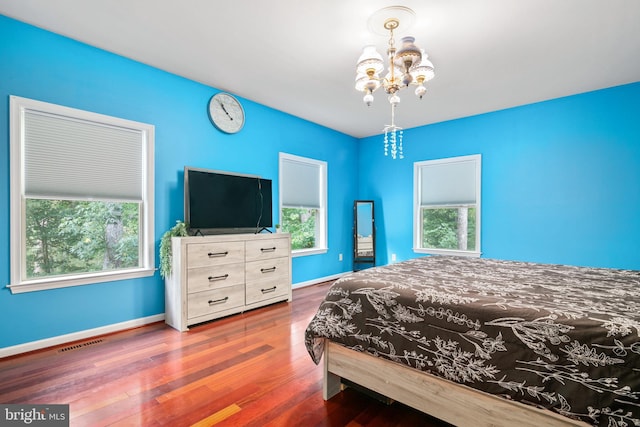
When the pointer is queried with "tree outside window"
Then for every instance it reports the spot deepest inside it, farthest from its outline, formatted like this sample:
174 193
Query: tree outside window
301 224
70 237
449 228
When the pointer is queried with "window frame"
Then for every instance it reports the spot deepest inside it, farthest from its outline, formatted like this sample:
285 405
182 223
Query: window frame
321 233
417 205
19 280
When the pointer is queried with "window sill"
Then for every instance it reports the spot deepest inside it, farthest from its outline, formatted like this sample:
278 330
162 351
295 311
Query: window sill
453 252
71 280
305 252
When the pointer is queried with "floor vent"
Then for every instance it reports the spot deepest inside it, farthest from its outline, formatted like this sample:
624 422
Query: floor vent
77 346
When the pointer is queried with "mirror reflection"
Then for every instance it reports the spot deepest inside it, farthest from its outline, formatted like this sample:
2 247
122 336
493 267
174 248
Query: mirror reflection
364 233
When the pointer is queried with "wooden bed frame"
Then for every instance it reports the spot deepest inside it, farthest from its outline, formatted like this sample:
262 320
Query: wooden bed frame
451 402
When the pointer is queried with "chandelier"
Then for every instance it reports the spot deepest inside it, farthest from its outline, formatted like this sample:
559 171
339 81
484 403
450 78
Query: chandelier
407 66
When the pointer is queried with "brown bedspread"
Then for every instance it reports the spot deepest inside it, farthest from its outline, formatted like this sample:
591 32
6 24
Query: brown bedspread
565 338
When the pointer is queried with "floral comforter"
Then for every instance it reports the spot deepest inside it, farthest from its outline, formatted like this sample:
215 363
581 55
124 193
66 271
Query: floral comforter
565 338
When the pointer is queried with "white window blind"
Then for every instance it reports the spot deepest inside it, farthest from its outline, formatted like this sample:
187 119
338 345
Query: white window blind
300 184
73 158
448 183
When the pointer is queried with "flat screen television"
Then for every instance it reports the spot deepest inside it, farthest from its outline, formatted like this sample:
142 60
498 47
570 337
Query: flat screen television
217 202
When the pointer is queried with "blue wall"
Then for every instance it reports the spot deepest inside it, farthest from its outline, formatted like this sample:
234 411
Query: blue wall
560 179
43 66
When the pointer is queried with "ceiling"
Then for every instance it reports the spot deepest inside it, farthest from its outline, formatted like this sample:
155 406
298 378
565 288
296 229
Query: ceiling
299 56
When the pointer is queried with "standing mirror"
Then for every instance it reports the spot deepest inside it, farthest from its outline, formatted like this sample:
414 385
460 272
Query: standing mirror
364 235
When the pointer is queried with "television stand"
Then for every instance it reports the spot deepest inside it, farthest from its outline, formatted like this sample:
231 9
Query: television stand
216 276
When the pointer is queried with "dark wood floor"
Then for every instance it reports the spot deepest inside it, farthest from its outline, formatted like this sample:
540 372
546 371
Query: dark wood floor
250 369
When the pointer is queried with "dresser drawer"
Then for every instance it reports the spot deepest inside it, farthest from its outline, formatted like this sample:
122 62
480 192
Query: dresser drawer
208 302
266 289
267 248
206 254
205 278
266 269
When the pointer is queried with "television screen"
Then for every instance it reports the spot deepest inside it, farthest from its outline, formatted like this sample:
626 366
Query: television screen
217 202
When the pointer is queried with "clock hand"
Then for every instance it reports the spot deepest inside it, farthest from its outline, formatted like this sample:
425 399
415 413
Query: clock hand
225 110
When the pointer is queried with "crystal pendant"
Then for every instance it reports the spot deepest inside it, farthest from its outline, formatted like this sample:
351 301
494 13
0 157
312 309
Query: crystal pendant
393 136
386 143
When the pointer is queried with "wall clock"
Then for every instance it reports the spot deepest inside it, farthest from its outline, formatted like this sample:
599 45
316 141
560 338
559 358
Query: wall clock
226 112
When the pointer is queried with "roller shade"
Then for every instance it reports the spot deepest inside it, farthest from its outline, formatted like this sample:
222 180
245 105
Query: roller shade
448 183
300 184
73 158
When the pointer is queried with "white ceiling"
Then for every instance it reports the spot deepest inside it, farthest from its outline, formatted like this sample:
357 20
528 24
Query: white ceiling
299 56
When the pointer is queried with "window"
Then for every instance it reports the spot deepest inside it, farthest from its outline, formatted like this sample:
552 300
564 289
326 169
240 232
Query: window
447 206
81 197
303 199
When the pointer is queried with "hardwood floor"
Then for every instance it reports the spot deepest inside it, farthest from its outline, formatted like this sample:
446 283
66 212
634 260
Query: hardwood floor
250 369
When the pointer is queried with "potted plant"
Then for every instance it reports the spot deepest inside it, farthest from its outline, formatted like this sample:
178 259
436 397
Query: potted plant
178 230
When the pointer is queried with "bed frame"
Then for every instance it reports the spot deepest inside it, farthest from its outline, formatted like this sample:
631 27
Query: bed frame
451 402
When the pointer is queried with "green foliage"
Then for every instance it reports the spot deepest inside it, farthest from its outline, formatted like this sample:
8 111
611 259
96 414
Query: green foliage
301 224
440 228
66 237
178 230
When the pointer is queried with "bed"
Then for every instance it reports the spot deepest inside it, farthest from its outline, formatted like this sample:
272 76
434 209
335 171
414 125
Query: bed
487 342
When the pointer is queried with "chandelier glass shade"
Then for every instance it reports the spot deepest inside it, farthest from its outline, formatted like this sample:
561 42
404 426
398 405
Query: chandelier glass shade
407 66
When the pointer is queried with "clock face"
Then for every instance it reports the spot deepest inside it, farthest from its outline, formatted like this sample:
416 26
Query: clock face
226 113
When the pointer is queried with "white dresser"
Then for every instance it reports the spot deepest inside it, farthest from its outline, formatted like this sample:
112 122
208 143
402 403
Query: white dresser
215 276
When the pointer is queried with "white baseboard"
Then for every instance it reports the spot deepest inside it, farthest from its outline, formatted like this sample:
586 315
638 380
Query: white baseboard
319 280
80 335
90 333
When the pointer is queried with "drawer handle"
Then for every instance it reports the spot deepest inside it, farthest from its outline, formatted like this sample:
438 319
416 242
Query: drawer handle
266 291
217 254
214 278
273 249
218 301
268 270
